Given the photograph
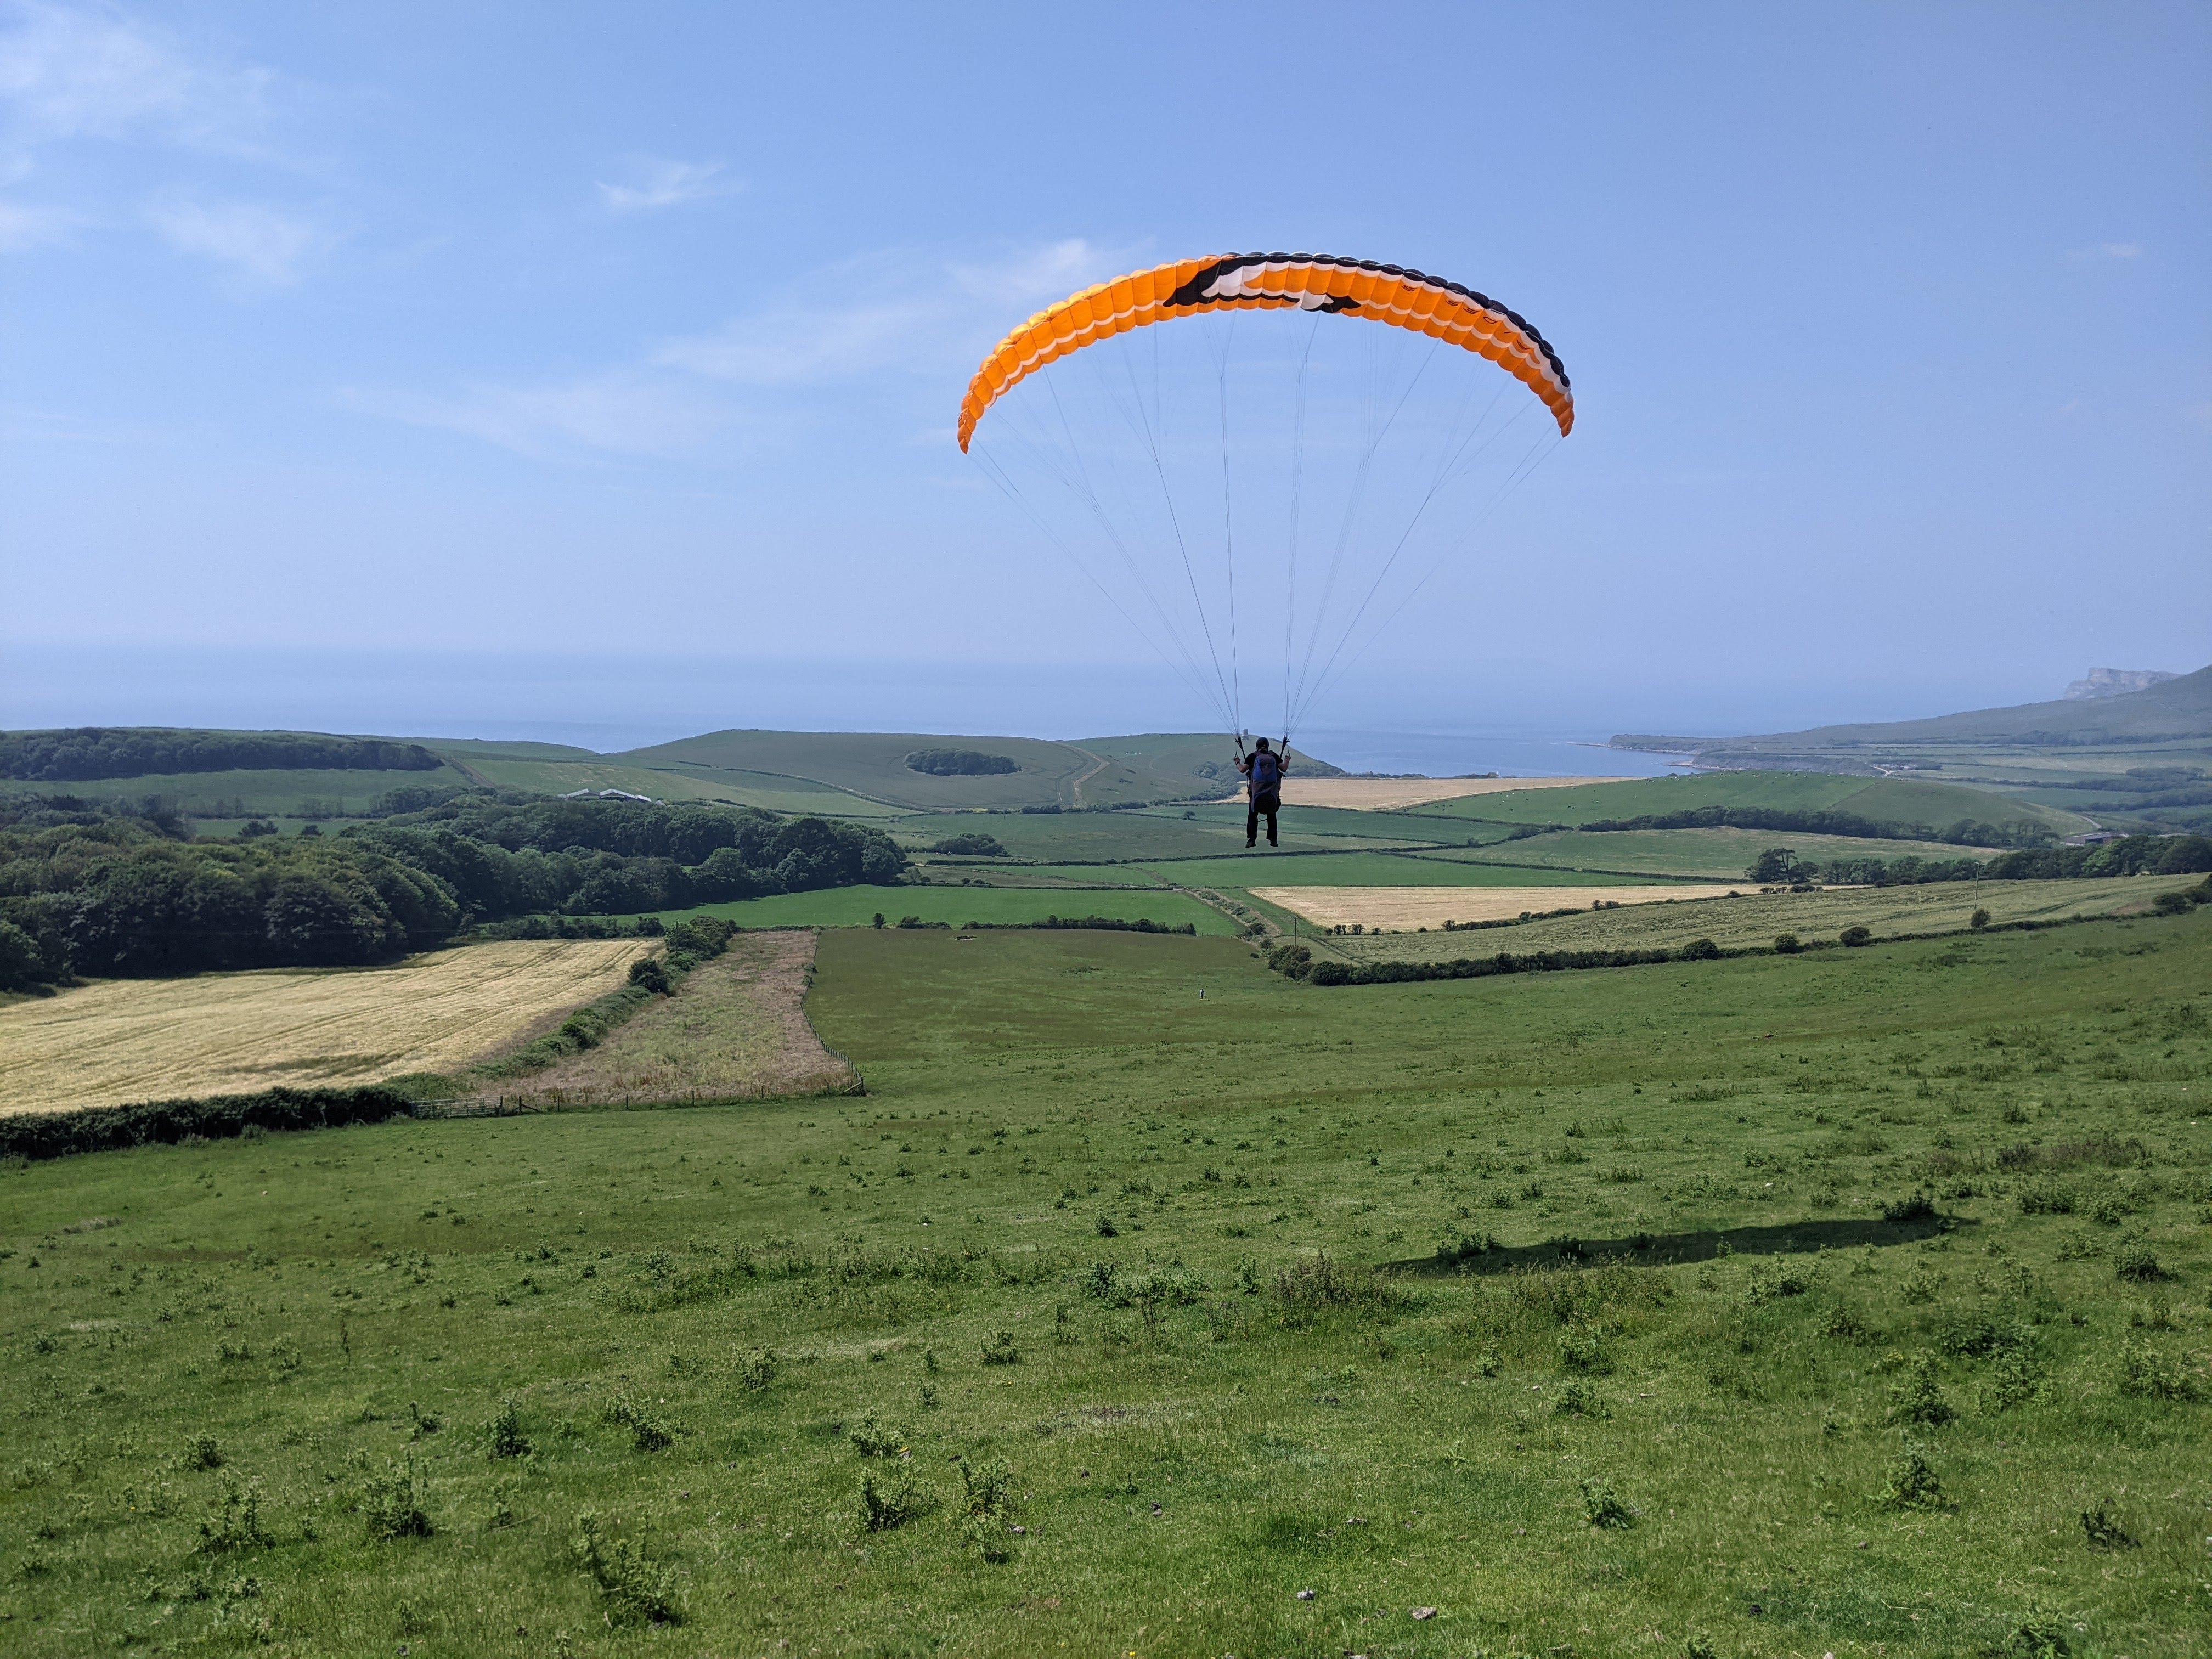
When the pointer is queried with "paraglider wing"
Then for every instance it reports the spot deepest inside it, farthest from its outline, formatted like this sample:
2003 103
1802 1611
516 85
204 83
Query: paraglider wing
1318 282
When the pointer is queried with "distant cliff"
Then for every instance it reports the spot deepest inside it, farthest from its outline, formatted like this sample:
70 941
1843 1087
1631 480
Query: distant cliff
2172 706
2112 682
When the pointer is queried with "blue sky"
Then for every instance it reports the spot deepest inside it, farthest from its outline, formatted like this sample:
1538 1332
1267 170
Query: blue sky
451 369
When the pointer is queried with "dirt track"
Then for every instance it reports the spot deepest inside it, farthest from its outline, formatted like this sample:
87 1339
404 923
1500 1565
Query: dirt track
736 1029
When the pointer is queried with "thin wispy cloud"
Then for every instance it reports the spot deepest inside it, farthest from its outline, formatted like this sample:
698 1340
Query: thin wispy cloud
805 345
621 413
663 183
24 225
883 314
891 312
264 246
1041 276
92 71
2109 251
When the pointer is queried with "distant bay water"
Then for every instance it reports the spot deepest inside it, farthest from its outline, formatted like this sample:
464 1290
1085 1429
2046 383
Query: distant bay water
1529 720
1519 754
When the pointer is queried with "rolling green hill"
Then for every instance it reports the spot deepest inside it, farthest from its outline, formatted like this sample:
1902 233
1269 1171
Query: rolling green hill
853 774
2177 708
1899 801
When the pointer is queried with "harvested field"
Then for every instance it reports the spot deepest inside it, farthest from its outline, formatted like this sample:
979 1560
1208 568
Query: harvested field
1431 906
736 1030
129 1039
1384 794
1756 918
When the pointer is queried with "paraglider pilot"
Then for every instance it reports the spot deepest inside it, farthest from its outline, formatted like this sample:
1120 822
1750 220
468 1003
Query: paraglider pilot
1263 788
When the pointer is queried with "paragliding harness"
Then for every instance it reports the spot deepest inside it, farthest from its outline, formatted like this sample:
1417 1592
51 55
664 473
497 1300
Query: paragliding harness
1263 769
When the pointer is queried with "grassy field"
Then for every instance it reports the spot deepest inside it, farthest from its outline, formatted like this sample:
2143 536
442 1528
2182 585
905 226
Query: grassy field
129 1040
262 794
1088 1270
1716 853
1260 868
1757 919
682 784
735 1030
1884 800
856 907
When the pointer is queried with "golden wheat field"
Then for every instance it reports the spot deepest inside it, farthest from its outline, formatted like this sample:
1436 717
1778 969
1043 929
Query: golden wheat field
120 1041
1431 906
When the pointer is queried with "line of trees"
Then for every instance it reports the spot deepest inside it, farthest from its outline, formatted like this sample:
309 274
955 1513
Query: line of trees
82 753
98 889
1966 832
2130 855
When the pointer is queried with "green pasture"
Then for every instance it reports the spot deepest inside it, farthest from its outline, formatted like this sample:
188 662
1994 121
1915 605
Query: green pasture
1710 854
857 907
1174 832
1142 1238
1337 825
1040 875
680 784
1259 867
1755 920
1884 800
263 794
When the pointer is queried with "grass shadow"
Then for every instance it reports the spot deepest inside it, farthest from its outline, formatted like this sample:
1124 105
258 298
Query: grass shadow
1659 1250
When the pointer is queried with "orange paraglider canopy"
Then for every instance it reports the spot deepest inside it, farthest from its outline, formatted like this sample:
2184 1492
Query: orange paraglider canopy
1306 281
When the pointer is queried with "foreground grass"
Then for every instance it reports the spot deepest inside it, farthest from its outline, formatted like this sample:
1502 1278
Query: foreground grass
1698 1329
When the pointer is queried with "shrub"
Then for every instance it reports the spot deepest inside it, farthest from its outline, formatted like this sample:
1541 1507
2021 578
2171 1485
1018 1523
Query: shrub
2015 1377
1579 1399
1919 1207
650 973
984 1499
2133 1258
1918 1399
201 1451
889 1501
1602 1506
2103 1532
873 1437
960 762
1581 1349
394 1502
631 1586
1308 1288
1786 945
506 1430
1979 920
649 1432
1910 1483
756 1370
971 845
1856 936
1106 1227
235 1524
2147 1374
1000 1350
1699 950
1839 1319
2041 1634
